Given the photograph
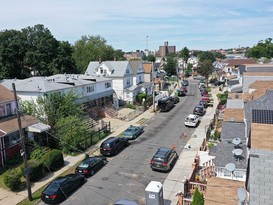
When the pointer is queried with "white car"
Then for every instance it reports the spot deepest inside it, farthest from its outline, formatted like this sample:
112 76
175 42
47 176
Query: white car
192 120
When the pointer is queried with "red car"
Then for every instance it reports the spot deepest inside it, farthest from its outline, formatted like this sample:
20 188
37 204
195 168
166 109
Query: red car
206 98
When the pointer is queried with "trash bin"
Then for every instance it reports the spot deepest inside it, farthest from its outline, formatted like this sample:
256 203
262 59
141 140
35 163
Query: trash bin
154 193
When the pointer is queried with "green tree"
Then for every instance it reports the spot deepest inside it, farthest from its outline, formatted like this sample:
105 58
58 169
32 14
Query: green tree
185 54
170 66
262 49
91 48
198 198
12 53
71 132
41 50
205 68
219 55
206 55
151 58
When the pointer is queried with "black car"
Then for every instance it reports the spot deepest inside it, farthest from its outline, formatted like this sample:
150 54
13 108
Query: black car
185 83
204 103
164 159
90 165
113 145
218 83
175 99
181 93
60 188
199 110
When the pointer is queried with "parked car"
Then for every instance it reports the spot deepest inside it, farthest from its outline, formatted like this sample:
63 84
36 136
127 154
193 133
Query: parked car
198 77
204 92
199 110
113 145
206 98
60 188
204 103
181 93
165 104
175 99
164 159
133 132
192 120
218 83
185 83
90 165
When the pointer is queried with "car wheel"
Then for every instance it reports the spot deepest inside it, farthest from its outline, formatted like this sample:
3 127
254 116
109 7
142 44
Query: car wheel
92 172
116 152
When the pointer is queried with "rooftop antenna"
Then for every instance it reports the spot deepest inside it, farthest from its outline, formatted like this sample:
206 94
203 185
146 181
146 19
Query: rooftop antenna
230 167
241 193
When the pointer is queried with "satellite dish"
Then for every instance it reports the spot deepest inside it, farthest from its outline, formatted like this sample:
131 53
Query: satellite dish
241 192
237 152
236 141
230 167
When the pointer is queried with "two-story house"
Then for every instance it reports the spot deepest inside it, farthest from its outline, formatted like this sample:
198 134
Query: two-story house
10 141
122 74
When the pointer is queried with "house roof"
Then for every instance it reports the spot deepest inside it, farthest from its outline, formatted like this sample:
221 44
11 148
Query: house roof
231 130
258 73
262 103
118 68
222 191
223 153
237 62
259 84
234 114
10 124
52 83
135 64
261 136
231 77
5 94
147 66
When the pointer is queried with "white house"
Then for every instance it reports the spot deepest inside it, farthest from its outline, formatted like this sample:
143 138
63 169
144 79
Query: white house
91 89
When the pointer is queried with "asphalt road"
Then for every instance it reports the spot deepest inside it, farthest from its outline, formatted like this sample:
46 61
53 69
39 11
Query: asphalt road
127 174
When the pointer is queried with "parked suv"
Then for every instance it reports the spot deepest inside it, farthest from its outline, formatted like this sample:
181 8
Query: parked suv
113 145
164 159
199 110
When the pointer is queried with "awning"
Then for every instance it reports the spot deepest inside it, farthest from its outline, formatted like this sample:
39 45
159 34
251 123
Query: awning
39 127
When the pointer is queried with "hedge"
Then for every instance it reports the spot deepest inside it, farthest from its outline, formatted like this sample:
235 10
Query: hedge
53 160
36 170
12 179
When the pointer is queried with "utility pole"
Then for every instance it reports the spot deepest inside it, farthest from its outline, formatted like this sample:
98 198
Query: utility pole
153 86
23 152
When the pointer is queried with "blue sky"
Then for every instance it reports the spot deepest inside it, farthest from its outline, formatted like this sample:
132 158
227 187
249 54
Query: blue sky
132 25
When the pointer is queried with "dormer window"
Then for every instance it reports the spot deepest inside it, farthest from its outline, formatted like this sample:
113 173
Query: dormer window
107 85
127 71
101 71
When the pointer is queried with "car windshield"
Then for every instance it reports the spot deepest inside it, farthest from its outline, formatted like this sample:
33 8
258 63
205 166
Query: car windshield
54 186
85 164
189 119
129 130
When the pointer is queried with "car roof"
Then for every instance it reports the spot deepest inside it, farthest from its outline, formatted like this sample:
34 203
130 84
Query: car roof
192 116
110 139
89 159
161 152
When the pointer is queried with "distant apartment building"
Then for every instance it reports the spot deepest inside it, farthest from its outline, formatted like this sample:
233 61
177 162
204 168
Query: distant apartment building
166 49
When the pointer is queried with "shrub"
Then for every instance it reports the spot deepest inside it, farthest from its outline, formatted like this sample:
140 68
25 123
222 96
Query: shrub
12 179
53 160
38 153
36 170
216 135
128 105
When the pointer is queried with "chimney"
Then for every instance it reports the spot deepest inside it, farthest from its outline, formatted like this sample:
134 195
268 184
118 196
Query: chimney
100 61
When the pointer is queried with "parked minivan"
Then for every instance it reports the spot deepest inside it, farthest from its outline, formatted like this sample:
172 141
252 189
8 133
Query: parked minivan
113 145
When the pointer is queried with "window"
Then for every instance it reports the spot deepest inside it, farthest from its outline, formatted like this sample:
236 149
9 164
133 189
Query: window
90 89
127 71
101 70
107 85
2 111
8 107
128 82
139 79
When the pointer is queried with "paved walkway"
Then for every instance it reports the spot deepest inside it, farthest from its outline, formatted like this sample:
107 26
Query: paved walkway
173 182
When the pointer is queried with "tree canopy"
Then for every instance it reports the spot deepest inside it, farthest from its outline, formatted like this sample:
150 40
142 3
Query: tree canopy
93 48
205 68
33 50
262 49
206 55
170 66
185 54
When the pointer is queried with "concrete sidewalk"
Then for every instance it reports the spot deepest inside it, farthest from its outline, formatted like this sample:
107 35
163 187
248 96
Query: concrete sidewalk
184 165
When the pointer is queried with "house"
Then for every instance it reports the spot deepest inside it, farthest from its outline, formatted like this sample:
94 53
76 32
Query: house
235 100
96 91
260 172
225 153
232 65
150 71
250 77
122 75
10 139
